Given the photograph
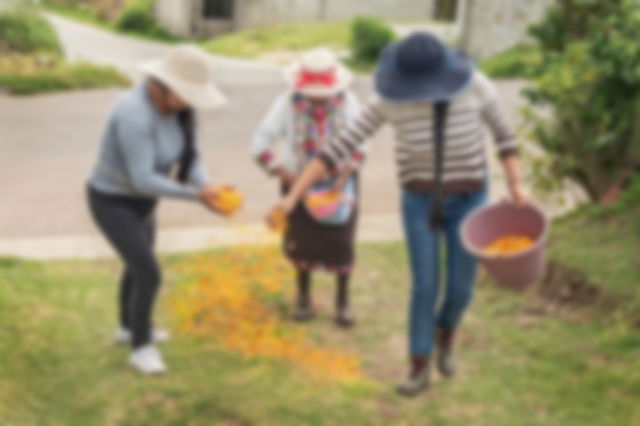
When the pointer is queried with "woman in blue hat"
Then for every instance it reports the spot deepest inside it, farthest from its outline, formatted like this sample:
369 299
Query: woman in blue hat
439 106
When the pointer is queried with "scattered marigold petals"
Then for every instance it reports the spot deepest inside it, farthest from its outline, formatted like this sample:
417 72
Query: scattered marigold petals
228 298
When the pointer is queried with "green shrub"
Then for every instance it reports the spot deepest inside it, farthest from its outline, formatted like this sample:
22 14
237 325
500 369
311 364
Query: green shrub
24 75
522 61
136 19
24 31
369 37
589 90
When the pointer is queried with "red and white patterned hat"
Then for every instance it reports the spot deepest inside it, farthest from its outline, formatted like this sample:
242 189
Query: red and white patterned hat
318 74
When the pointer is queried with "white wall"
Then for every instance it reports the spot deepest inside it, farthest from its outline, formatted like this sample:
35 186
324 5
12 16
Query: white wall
181 17
491 26
175 16
273 12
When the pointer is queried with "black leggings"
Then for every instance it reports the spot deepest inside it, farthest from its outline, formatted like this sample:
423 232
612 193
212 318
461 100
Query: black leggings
128 223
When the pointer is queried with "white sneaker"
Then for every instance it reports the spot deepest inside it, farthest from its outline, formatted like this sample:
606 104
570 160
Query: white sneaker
147 360
123 336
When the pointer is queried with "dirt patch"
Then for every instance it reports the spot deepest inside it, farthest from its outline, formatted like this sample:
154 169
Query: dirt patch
565 286
563 292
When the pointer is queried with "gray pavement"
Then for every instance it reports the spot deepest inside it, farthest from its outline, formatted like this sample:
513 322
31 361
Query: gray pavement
49 143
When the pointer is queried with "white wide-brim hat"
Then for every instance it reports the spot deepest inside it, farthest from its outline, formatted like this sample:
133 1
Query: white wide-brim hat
188 72
318 74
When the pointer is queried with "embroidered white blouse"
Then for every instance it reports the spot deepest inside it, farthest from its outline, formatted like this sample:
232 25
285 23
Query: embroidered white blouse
279 126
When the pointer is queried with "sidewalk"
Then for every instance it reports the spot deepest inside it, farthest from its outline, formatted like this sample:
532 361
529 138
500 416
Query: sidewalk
372 229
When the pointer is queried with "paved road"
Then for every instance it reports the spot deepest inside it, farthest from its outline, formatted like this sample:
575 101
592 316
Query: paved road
49 142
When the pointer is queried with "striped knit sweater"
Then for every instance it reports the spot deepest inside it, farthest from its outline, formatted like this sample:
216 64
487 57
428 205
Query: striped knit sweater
465 162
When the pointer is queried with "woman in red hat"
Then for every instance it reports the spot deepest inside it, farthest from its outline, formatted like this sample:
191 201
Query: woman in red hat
305 119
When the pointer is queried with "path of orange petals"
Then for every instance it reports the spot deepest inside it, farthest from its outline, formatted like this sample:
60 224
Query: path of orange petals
231 297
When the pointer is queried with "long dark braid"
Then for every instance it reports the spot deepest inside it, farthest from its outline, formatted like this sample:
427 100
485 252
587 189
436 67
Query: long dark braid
187 121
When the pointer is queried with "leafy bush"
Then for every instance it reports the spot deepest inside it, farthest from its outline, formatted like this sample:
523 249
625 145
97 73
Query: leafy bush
589 87
25 75
522 61
572 20
23 30
136 19
369 37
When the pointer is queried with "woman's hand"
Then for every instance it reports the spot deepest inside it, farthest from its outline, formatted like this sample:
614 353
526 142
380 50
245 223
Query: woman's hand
208 196
277 216
519 194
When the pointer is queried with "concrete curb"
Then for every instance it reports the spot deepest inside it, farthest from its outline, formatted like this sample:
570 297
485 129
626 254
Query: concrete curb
372 229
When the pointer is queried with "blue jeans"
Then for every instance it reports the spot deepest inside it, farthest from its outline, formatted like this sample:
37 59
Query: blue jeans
423 246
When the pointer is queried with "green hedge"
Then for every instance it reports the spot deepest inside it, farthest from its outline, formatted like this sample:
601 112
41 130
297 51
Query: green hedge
24 31
369 37
138 18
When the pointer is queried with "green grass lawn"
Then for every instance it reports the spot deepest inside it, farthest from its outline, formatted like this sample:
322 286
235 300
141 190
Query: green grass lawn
526 359
291 37
32 60
33 74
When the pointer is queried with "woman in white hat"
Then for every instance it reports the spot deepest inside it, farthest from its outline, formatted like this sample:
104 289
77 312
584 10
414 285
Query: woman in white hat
317 106
150 131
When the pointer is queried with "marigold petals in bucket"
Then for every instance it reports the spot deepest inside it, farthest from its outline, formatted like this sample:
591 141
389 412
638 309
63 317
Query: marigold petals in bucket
324 203
509 241
508 245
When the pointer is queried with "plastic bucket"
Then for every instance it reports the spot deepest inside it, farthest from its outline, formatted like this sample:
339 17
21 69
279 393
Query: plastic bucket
485 225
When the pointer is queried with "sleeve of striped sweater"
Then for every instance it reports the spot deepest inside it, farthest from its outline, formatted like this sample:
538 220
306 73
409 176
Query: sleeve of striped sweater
352 141
495 118
354 109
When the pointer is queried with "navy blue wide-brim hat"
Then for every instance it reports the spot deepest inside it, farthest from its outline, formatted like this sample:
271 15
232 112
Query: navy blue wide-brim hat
422 68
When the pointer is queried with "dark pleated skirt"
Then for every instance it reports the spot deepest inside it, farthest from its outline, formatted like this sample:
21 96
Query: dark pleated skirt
311 245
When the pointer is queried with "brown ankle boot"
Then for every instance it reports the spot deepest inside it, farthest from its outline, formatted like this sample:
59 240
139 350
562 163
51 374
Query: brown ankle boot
303 313
419 378
345 318
445 360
